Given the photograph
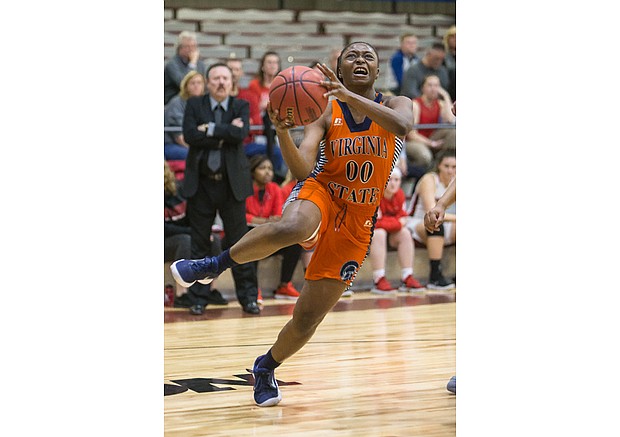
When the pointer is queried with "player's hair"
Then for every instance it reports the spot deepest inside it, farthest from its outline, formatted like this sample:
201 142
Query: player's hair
345 48
186 34
217 64
184 93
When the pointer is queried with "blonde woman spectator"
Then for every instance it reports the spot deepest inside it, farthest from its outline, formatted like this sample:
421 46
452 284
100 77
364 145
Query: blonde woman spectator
449 42
175 147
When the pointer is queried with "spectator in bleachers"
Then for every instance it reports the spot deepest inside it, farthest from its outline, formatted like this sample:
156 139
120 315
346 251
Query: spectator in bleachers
430 188
432 107
270 66
390 230
186 59
431 63
236 66
175 147
217 179
402 59
256 142
266 206
449 41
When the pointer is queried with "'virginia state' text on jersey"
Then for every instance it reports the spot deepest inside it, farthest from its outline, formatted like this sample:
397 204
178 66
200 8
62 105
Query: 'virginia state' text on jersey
356 159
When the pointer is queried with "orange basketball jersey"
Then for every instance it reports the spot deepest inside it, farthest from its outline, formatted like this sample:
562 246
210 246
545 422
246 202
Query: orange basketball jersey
347 185
356 159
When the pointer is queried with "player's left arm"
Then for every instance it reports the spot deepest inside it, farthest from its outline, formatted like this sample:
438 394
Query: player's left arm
395 115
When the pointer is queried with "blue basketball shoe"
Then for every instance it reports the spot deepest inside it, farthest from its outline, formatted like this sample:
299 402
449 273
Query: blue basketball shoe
451 387
188 271
266 391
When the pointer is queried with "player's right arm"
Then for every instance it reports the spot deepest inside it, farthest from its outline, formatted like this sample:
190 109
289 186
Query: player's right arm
300 160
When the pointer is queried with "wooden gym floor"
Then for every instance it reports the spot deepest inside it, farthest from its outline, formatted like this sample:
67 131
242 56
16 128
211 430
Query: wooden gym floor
377 366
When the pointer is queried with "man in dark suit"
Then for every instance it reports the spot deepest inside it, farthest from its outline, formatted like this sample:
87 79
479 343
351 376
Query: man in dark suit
218 179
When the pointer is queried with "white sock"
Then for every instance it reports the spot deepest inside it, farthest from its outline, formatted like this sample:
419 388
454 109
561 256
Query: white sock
377 274
406 272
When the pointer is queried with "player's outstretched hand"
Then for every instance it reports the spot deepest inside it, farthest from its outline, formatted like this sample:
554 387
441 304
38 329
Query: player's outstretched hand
334 86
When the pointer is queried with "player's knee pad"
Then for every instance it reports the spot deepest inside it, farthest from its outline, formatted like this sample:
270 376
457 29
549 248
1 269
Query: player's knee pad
438 233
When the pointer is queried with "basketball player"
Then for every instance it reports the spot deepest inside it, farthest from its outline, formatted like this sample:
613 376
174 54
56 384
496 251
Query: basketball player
358 140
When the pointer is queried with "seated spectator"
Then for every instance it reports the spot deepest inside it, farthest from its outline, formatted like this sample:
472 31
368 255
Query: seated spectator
185 60
177 233
430 188
266 206
402 59
390 230
175 147
432 107
431 63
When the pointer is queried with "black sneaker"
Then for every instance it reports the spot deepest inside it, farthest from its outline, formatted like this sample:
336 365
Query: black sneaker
215 298
183 301
197 310
251 308
439 283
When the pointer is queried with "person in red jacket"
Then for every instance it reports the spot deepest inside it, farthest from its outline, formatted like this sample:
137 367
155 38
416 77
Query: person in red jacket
265 206
390 229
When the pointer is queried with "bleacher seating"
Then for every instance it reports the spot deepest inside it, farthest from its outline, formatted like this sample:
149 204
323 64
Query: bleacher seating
352 17
298 36
256 27
179 26
219 14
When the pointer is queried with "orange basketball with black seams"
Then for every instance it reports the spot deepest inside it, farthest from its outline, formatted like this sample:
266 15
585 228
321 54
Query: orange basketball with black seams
297 90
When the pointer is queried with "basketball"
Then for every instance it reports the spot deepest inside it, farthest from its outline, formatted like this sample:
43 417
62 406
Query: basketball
297 90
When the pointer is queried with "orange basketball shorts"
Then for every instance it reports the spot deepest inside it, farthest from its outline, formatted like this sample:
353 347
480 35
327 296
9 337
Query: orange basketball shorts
343 238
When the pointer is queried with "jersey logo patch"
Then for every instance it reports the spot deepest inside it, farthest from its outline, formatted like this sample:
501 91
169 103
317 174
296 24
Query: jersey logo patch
338 121
368 224
347 272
